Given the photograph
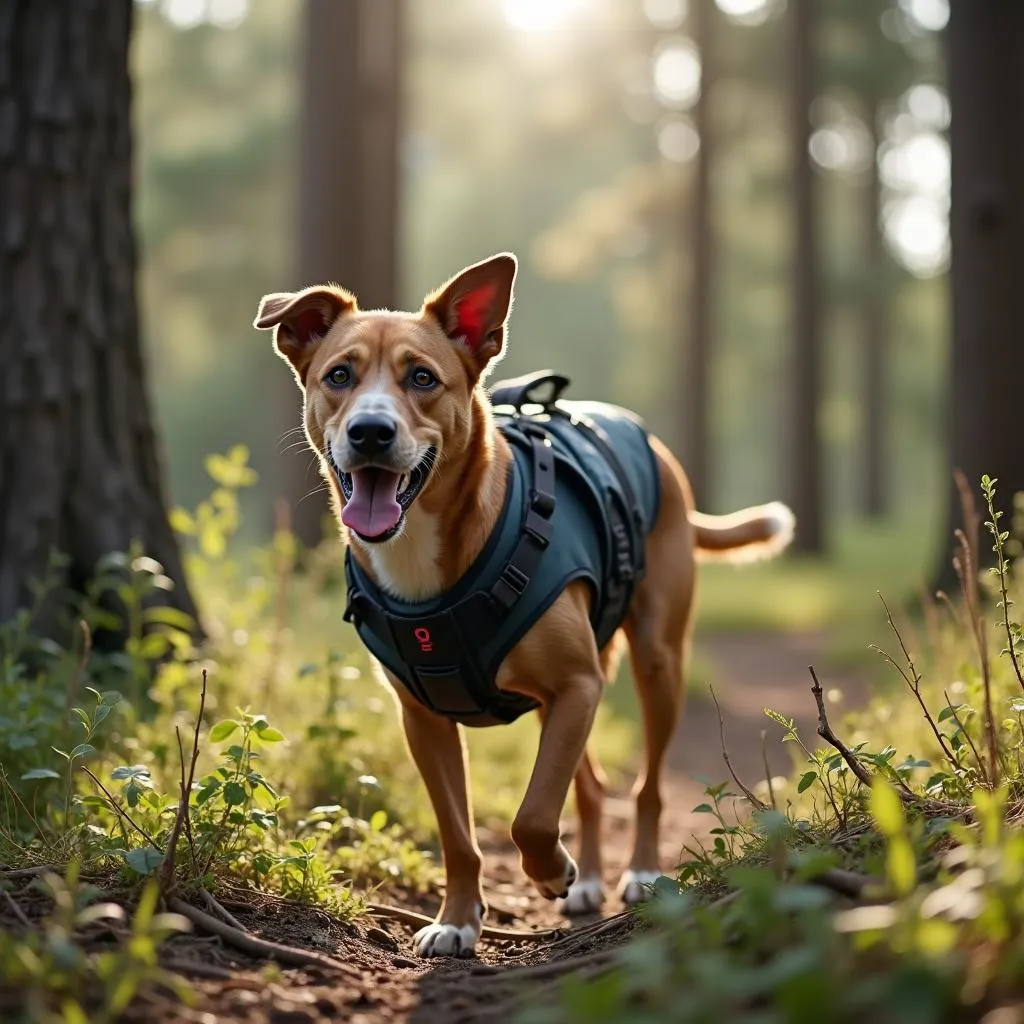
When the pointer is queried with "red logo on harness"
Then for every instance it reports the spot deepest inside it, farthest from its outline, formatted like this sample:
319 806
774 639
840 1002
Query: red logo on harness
423 638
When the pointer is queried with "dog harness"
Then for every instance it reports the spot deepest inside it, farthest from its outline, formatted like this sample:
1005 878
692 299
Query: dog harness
583 493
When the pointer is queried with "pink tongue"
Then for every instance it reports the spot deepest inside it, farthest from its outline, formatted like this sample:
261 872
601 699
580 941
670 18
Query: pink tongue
373 508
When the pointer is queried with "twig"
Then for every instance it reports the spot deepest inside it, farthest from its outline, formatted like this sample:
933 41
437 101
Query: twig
755 802
963 729
37 869
826 733
217 908
167 868
124 815
254 946
966 572
410 917
15 909
913 681
767 768
1002 569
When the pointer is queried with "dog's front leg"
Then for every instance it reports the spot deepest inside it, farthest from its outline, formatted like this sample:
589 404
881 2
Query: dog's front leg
567 719
437 748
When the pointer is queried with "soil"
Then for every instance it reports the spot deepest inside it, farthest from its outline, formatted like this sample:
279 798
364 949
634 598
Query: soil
383 981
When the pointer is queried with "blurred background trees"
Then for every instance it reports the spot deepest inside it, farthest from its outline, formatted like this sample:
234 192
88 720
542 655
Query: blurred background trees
640 159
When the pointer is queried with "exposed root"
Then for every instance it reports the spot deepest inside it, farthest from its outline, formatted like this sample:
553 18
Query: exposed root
254 946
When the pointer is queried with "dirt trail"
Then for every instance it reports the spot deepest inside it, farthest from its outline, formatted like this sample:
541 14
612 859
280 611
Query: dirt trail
387 984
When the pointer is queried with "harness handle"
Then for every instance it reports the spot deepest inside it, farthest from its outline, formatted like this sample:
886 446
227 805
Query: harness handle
526 390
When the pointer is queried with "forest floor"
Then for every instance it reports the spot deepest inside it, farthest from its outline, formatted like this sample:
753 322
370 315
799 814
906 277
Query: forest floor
383 981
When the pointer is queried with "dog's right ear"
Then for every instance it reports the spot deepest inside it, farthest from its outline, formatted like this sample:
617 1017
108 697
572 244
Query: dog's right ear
300 319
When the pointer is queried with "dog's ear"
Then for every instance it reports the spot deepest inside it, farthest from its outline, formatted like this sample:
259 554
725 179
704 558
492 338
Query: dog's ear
301 319
473 307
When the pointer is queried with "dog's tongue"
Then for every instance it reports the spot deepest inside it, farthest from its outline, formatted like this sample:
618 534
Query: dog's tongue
373 508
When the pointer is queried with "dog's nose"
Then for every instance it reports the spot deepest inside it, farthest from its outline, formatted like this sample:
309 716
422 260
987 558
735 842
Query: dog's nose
370 434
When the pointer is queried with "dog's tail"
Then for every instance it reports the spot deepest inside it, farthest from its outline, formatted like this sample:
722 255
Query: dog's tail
749 535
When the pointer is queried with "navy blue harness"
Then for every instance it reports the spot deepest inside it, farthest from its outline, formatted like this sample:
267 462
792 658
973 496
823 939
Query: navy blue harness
583 493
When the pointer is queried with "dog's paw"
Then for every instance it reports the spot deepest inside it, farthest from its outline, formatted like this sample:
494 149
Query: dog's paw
558 888
585 897
635 886
446 940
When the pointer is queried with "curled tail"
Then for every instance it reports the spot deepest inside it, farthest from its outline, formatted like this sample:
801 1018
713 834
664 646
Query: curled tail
749 535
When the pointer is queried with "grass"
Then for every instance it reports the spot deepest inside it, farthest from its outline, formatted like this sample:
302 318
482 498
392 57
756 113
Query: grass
885 880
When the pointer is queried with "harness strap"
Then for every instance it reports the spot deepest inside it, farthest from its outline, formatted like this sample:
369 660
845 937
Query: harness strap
440 650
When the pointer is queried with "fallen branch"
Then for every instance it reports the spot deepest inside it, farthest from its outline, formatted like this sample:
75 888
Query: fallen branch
544 970
201 970
37 869
410 917
219 909
254 946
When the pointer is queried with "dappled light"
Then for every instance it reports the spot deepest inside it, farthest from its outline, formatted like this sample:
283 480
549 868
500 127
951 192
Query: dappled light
511 509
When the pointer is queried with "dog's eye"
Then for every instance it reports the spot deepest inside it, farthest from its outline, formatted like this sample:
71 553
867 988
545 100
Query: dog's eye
422 378
339 377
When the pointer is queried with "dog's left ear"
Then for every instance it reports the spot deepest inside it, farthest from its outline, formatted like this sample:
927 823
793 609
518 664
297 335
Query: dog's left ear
473 307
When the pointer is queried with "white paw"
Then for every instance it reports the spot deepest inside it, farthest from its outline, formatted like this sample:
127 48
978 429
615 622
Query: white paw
446 940
634 886
585 897
556 888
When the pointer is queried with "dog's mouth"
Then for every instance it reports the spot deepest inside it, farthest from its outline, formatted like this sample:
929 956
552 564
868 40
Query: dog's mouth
377 498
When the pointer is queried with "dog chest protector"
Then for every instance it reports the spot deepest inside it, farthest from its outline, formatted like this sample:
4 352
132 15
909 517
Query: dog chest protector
583 493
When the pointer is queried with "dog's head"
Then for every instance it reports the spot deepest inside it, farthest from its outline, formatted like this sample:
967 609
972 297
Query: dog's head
389 394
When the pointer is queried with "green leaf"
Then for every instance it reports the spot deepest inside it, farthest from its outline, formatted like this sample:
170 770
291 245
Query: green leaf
166 616
806 781
270 735
900 865
82 750
234 794
222 730
144 860
378 820
886 809
41 773
703 809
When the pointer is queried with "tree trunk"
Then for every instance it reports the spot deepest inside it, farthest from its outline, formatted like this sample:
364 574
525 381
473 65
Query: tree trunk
874 325
986 79
696 446
805 367
348 178
79 466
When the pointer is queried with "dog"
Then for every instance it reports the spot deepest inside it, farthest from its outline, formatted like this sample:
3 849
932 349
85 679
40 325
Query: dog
421 476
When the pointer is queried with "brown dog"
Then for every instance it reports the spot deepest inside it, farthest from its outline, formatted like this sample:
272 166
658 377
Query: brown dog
396 412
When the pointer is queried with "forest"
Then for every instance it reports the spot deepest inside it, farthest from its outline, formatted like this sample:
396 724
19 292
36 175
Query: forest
782 232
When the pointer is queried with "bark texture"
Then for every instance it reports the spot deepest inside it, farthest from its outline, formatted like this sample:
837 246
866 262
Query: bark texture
986 79
79 466
805 462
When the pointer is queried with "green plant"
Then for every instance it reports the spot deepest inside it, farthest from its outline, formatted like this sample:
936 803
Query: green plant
47 976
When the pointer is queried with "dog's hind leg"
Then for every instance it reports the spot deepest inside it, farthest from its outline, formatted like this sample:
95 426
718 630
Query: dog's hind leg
586 894
658 663
437 747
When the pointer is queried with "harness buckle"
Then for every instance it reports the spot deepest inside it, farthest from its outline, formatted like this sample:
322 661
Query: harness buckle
351 613
511 586
542 503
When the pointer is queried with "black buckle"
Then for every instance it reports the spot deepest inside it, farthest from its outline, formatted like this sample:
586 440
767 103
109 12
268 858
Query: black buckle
542 503
511 586
539 529
351 613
